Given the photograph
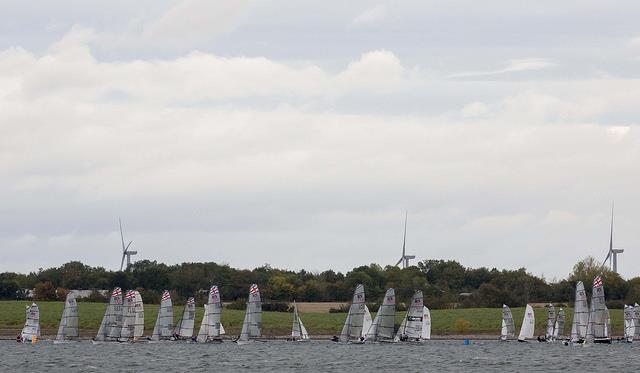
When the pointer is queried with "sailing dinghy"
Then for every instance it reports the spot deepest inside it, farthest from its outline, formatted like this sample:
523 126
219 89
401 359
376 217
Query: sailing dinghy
184 327
163 328
31 330
352 331
629 327
411 327
558 328
382 329
551 320
580 316
210 328
528 325
133 317
508 329
68 329
111 324
298 331
426 323
598 328
252 324
636 321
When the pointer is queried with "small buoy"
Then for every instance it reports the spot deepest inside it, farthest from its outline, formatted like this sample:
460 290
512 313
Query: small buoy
466 342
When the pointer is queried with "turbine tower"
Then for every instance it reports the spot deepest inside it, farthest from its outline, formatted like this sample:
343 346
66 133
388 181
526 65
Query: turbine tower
612 255
404 259
125 249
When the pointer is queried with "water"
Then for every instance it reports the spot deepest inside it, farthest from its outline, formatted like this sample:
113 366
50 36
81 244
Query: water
454 356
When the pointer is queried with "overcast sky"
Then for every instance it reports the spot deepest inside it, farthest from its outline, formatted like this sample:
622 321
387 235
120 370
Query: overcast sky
297 133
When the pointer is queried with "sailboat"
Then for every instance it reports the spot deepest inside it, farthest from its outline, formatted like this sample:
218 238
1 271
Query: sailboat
551 320
597 329
298 331
133 317
580 316
163 328
352 330
558 328
252 324
508 329
411 326
382 329
636 321
629 326
31 330
210 329
68 329
367 320
184 327
426 323
528 325
112 320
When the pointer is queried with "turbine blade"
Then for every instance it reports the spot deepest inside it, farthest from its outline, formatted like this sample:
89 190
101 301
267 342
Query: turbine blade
122 262
127 248
121 235
404 238
611 231
400 261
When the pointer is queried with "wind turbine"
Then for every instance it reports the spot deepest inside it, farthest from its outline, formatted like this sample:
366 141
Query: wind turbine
404 259
612 255
125 249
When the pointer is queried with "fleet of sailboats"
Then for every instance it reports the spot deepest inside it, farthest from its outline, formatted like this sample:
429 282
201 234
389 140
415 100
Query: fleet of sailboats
123 320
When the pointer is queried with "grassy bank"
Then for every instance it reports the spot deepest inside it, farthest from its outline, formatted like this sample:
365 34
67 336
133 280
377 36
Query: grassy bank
444 322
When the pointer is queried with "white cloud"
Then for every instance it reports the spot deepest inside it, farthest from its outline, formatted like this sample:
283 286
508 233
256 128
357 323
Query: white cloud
192 21
254 159
371 15
516 65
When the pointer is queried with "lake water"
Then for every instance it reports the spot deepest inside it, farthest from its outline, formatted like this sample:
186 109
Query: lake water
454 356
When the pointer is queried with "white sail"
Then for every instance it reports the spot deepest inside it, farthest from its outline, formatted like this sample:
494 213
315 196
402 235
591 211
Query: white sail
213 313
298 331
129 316
636 321
551 319
367 320
411 326
383 325
629 327
68 329
31 330
204 327
353 324
426 323
184 327
138 329
508 329
597 327
252 324
580 314
558 328
528 324
164 322
111 324
222 331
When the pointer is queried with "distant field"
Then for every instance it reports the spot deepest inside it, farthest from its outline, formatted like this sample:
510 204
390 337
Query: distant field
481 320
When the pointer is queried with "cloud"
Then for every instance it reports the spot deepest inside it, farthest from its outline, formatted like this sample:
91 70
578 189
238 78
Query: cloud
254 159
634 43
370 16
193 21
516 65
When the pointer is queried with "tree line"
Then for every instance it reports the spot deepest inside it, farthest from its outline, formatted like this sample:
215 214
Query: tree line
445 283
